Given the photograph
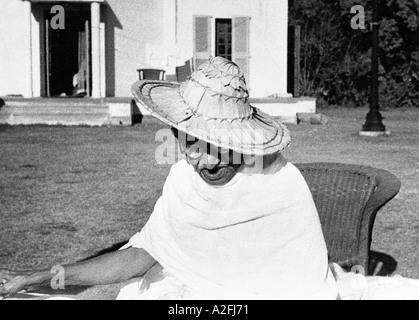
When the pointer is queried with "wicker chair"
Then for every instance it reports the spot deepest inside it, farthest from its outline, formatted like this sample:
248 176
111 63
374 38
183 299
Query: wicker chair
348 198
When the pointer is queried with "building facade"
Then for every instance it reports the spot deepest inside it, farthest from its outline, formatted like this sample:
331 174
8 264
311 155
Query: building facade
94 48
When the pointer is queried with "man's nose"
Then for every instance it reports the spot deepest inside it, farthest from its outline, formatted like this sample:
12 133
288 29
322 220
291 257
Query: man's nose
208 161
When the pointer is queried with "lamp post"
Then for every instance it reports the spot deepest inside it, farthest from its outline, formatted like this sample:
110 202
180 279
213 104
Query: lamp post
374 126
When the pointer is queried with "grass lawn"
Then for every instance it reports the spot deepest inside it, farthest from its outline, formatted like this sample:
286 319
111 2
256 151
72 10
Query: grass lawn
68 193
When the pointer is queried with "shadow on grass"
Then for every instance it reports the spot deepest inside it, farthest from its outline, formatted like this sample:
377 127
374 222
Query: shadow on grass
48 291
5 127
382 264
112 248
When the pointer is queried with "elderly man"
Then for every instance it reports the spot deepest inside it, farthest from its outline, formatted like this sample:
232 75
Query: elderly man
235 220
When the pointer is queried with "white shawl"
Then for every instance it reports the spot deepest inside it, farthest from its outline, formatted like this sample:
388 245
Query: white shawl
258 237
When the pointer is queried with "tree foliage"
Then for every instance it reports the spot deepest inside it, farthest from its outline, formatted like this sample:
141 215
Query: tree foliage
336 59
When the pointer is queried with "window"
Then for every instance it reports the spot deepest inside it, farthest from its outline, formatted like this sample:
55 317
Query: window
223 38
232 40
202 40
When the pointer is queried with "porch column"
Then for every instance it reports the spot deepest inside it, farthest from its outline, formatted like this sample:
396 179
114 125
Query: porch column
283 51
96 69
102 60
27 12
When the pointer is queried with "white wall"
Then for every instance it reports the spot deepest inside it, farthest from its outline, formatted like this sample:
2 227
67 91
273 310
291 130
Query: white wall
268 37
145 37
37 27
133 26
14 54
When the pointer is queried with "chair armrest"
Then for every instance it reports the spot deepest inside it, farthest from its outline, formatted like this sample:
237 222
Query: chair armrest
388 186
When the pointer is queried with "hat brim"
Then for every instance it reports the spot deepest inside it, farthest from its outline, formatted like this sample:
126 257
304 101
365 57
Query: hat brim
259 134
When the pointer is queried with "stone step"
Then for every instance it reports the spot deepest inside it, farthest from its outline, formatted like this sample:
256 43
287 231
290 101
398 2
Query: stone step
67 119
54 101
35 109
69 113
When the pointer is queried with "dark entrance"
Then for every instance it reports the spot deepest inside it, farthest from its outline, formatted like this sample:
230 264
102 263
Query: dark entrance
223 38
68 62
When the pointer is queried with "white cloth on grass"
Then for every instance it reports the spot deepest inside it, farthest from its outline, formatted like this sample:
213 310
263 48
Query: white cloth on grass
258 237
358 287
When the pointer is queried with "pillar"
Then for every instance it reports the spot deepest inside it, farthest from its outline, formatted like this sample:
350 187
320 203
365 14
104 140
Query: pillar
27 11
283 51
102 60
96 46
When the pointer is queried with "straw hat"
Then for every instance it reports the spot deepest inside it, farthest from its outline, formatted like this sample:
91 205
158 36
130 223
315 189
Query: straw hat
213 106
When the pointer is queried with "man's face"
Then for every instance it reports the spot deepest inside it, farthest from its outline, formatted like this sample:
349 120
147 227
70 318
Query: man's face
216 166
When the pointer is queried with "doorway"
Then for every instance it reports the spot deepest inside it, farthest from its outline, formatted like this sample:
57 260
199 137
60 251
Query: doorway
223 38
67 54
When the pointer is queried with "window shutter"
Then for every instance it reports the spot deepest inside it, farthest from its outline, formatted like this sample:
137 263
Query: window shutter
241 44
202 40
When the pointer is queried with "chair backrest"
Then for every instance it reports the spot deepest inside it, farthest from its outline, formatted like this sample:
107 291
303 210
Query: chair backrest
348 198
183 72
151 74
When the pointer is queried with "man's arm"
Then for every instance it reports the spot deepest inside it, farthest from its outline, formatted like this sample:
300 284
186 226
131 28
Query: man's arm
110 268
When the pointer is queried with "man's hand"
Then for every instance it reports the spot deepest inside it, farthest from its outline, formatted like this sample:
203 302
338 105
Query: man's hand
12 282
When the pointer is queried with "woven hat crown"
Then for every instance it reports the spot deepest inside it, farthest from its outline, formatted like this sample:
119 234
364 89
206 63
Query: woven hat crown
213 106
217 90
